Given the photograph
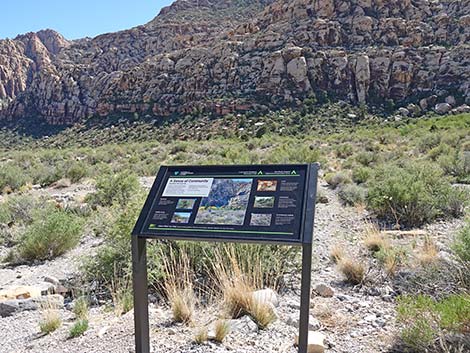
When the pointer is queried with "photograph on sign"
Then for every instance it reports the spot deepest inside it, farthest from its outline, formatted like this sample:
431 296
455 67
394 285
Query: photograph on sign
233 202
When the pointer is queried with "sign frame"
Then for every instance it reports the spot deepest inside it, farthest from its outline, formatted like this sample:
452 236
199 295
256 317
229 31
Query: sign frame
139 251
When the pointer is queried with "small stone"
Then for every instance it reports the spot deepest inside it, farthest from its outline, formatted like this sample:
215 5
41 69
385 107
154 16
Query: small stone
294 320
243 325
51 279
451 100
324 290
316 342
404 111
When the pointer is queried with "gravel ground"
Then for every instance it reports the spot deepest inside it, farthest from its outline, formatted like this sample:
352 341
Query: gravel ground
354 320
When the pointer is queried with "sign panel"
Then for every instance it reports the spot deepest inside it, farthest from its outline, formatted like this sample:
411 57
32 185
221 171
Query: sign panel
253 203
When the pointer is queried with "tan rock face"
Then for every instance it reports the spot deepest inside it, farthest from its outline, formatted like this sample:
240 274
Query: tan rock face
244 55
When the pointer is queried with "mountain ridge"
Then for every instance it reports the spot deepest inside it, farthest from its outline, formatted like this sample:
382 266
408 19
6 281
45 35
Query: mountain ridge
226 56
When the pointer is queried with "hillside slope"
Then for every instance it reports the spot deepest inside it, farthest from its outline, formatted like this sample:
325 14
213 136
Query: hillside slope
224 56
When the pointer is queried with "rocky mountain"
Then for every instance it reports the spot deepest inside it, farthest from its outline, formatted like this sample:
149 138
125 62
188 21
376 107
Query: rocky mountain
224 56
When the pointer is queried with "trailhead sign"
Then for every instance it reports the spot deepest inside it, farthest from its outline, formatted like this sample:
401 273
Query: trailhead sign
232 203
267 204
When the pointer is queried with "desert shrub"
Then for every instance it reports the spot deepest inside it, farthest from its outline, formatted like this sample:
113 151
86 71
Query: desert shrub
461 244
76 171
427 320
336 179
429 141
367 158
12 177
344 150
457 165
52 233
22 208
352 194
391 258
412 194
115 189
78 328
321 196
360 175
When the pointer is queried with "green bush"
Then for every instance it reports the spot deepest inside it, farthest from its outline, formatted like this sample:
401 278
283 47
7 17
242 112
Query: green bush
76 171
336 179
425 320
360 175
52 233
12 177
115 189
78 328
462 243
352 194
413 194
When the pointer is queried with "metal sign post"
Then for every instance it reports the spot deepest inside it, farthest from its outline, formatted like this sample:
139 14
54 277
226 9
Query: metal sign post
267 204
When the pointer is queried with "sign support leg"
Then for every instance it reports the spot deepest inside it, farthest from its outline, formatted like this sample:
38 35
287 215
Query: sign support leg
140 287
305 297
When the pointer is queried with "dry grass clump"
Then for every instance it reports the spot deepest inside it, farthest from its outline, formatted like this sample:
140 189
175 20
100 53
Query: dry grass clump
51 321
237 283
222 329
428 253
353 270
373 239
179 288
337 253
201 335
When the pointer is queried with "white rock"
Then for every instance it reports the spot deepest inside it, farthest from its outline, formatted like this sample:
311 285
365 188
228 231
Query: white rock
316 342
267 296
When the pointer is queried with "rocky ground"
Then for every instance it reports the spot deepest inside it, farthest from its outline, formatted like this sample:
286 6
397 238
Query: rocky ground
352 318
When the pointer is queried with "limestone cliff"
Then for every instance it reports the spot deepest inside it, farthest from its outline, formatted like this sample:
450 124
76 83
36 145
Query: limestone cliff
224 56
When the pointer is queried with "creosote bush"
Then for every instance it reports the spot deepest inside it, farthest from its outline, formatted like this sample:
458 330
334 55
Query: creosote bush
52 233
426 320
461 244
115 189
413 194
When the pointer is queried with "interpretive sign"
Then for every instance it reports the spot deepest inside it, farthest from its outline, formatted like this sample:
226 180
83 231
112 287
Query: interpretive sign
231 203
268 204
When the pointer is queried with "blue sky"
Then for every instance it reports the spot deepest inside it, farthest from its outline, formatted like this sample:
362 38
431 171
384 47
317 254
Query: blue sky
75 18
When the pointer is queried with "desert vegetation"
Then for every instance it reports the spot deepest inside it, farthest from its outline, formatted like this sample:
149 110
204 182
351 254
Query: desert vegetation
405 175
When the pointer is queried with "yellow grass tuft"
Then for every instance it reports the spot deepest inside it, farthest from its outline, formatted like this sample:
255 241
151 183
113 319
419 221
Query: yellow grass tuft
178 287
51 321
201 335
337 253
373 239
428 253
237 284
222 329
352 270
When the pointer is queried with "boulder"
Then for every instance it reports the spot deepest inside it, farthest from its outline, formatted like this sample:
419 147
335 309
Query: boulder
442 108
20 292
11 307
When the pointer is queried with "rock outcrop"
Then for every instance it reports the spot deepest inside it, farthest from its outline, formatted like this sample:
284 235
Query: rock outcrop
224 56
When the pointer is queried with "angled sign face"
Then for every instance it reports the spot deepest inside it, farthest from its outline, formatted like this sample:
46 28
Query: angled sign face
251 203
